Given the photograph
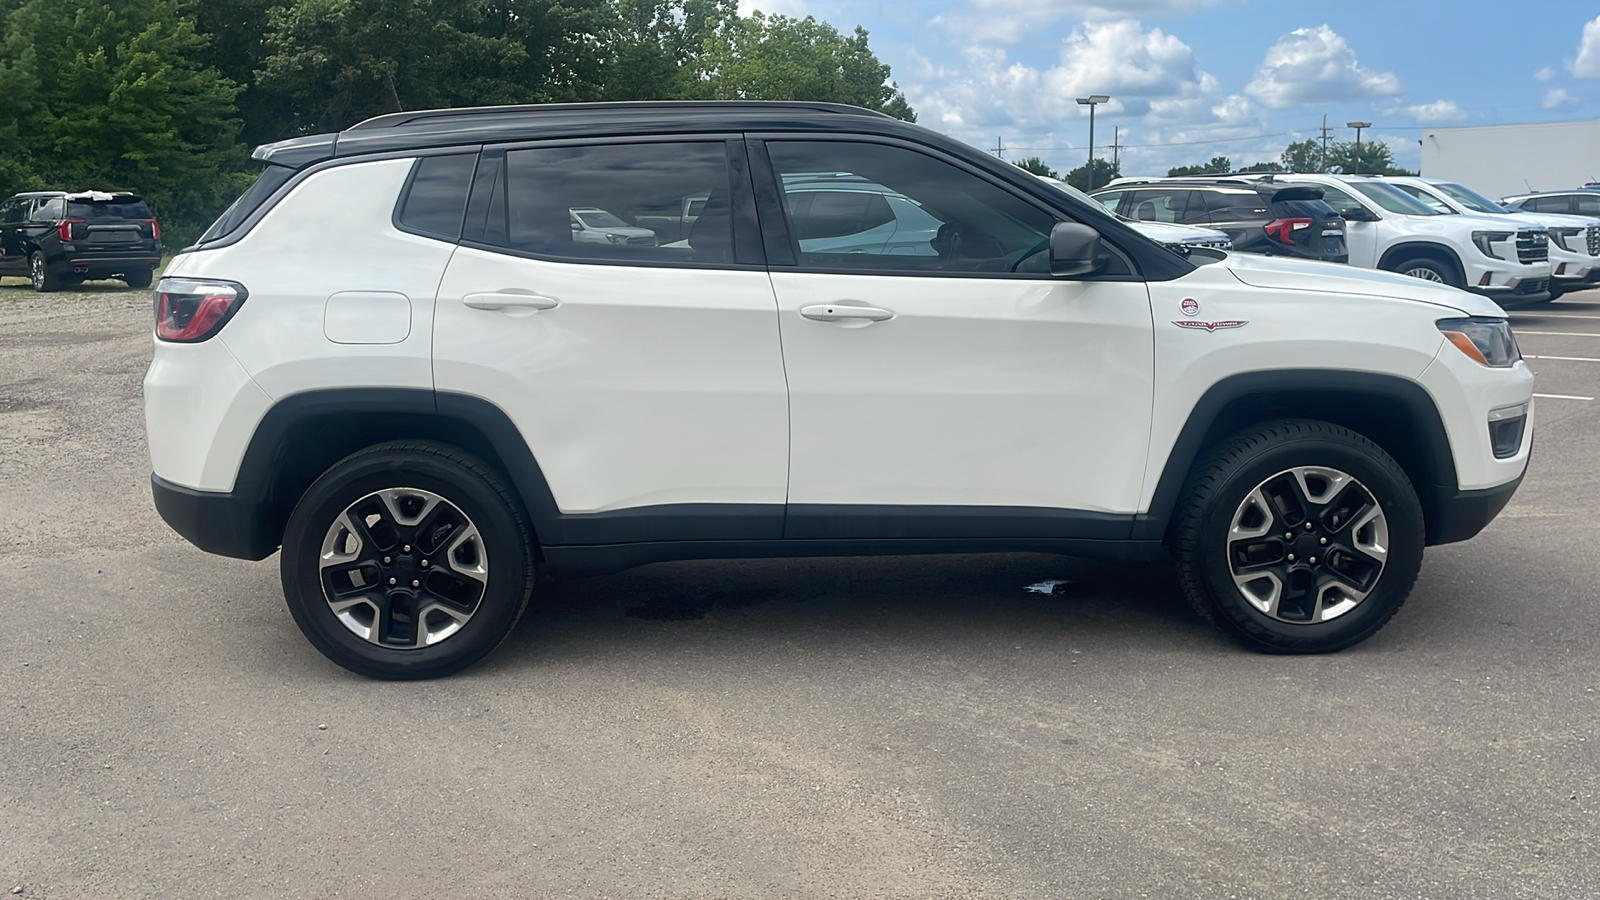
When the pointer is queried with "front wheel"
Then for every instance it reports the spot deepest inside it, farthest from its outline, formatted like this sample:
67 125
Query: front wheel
1430 269
1298 536
407 560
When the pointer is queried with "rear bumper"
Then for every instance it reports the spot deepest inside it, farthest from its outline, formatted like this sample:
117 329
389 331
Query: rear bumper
225 523
93 265
1459 515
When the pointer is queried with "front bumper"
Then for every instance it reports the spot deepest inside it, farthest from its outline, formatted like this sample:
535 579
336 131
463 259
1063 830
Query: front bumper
1459 515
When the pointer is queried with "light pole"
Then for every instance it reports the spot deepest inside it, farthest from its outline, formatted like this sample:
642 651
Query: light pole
1358 126
1092 101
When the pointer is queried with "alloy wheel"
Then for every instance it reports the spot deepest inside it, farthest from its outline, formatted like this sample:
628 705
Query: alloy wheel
1426 274
1308 545
36 272
403 568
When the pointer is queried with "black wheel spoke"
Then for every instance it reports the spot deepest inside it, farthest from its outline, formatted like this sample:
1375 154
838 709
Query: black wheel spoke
1307 545
403 568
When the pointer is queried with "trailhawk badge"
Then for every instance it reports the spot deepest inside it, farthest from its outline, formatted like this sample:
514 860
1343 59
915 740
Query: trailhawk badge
1190 306
1212 326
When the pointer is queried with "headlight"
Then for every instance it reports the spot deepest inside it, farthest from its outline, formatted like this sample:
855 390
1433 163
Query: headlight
1560 233
616 238
1484 238
1484 340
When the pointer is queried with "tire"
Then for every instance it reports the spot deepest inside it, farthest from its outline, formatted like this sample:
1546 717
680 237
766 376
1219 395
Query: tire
140 279
470 574
44 281
1240 504
1440 272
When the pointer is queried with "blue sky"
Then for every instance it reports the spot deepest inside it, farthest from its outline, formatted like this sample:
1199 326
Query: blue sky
1191 79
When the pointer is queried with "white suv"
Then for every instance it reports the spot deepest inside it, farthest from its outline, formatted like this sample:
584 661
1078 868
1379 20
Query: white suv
1574 240
1387 228
393 359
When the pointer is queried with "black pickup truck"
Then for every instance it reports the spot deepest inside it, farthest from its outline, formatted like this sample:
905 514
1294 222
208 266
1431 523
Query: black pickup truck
56 239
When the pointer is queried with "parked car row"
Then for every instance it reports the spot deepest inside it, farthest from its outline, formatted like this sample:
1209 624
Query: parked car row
1423 227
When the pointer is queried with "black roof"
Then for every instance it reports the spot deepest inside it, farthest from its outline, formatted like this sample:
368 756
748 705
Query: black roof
429 129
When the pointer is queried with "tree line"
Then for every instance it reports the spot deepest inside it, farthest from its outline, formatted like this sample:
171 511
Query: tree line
1371 158
165 97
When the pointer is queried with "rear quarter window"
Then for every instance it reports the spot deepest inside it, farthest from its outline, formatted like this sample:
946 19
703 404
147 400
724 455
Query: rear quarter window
435 199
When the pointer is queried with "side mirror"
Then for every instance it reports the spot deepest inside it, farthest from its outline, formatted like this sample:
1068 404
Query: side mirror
1359 214
1074 249
576 227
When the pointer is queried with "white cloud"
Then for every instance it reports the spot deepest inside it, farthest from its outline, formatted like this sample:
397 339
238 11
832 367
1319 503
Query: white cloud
1545 74
1438 112
1159 95
1556 98
1587 63
1315 65
1010 21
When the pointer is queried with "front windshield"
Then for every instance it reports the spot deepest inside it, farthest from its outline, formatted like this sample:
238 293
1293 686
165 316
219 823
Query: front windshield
1393 199
599 218
1470 199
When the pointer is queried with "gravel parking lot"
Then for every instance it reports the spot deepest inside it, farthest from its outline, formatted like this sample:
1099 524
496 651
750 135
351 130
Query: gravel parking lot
910 727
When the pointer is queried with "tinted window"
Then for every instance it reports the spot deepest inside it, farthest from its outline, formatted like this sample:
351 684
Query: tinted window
1392 200
265 185
436 200
50 211
943 217
1424 197
620 202
1546 204
1159 206
11 212
1589 204
1109 199
121 209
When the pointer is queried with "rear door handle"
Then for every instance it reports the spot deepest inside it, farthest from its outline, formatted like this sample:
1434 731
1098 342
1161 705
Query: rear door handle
834 312
500 300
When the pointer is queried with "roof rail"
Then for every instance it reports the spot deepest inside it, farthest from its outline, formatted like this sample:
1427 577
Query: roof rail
422 116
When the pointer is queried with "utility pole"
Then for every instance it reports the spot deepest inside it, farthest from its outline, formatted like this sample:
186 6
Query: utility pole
1116 148
1322 161
999 146
1358 126
1091 101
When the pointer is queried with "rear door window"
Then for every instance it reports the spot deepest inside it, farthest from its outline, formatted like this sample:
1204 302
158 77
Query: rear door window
632 203
1549 204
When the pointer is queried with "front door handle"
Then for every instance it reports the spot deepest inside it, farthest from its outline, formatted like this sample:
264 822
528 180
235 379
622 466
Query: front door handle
834 312
502 300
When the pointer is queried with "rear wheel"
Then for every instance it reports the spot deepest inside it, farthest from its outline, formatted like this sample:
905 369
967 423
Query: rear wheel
140 279
407 560
1299 537
44 281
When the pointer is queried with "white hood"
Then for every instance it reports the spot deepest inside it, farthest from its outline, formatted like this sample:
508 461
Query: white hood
1282 273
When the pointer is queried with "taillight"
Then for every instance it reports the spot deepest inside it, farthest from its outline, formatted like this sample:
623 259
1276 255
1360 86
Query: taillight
189 310
64 230
155 228
1284 229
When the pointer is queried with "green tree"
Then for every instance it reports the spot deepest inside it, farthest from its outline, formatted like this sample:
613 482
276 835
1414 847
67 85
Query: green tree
1219 165
1267 166
655 47
761 57
1036 165
109 94
1304 157
1103 170
1375 158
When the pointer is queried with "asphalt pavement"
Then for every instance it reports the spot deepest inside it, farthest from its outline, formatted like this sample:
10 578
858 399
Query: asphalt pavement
849 728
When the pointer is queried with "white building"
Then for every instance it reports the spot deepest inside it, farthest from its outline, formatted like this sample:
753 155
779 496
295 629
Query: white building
1499 160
